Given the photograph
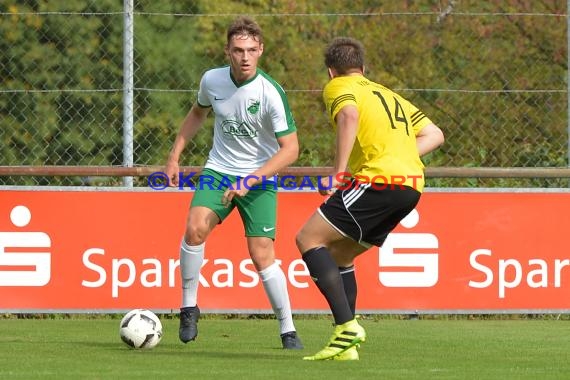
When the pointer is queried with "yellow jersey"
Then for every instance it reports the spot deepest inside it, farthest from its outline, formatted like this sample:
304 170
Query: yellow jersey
385 149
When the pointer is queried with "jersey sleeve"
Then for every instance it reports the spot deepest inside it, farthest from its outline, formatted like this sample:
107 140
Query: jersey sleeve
281 116
336 96
417 117
202 99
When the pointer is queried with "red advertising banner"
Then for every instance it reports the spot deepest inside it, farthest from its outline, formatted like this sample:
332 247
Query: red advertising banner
104 251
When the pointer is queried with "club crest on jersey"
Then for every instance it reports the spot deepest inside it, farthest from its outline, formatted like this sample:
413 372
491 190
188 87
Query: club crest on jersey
238 129
253 106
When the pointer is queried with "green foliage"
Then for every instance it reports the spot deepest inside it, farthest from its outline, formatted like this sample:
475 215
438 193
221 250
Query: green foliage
59 53
477 72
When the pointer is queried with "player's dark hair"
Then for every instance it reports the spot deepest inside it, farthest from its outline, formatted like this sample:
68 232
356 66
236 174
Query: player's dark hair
245 26
344 54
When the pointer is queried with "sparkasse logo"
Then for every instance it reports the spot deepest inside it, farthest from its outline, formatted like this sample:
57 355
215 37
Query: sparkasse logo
423 255
25 259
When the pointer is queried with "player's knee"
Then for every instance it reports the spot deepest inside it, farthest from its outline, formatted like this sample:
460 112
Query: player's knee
195 235
262 259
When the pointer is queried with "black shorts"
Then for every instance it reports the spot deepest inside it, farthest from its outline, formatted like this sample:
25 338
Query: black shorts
368 212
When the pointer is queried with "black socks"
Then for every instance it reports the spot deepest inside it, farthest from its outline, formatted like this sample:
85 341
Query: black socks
350 287
326 275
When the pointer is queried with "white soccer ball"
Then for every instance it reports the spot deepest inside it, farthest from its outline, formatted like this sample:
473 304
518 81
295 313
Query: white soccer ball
140 328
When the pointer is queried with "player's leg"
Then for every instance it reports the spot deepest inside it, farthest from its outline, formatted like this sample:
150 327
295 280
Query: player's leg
318 241
346 267
347 224
324 250
350 286
201 221
206 211
275 286
330 240
258 212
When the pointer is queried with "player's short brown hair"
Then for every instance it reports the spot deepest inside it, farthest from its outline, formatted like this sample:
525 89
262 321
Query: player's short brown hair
245 26
344 54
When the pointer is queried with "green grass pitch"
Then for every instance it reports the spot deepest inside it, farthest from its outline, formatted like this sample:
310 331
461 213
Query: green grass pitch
90 348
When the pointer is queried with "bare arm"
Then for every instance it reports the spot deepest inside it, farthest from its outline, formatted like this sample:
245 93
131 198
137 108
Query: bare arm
429 138
346 129
190 126
285 156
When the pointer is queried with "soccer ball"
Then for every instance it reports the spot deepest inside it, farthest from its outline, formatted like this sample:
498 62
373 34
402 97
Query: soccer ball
140 328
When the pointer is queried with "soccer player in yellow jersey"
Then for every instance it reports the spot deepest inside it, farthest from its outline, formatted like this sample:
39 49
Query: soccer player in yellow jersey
376 181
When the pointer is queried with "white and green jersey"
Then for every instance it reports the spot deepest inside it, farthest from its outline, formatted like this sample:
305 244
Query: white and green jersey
249 117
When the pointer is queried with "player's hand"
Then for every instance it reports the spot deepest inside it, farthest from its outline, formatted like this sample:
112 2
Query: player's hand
238 189
230 194
328 185
172 169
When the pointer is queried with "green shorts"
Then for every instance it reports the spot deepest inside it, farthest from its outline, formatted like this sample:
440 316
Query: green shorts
258 209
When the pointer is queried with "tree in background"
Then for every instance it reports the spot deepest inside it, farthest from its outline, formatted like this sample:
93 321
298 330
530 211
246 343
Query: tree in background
491 75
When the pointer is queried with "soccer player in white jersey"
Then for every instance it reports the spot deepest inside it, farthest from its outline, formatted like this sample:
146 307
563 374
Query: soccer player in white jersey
254 137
